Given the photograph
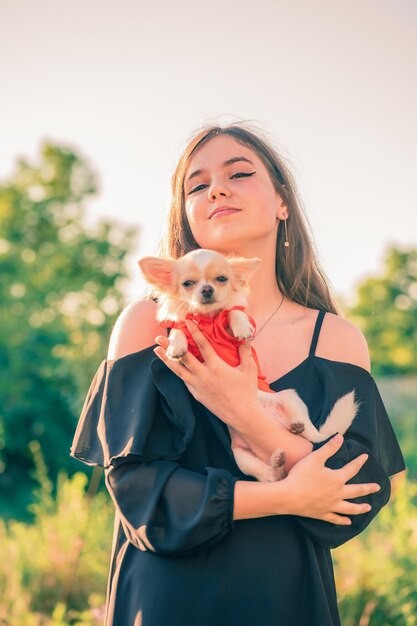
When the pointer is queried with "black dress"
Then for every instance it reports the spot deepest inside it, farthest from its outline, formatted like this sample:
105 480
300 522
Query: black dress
178 557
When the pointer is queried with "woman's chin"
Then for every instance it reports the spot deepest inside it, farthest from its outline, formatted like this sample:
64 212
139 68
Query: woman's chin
227 241
224 244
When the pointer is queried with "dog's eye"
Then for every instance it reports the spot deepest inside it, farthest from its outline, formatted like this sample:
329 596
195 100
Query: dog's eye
188 283
222 279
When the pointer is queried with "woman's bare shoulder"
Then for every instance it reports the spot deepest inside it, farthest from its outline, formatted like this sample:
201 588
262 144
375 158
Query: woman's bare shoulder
135 329
341 340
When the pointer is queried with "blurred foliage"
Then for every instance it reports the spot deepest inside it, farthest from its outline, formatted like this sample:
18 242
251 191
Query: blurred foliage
376 573
61 289
386 311
60 562
60 292
53 572
399 394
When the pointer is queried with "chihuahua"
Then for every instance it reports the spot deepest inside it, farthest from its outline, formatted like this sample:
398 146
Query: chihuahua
212 290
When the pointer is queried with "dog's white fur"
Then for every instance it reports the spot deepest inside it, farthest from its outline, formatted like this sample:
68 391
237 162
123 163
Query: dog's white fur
205 282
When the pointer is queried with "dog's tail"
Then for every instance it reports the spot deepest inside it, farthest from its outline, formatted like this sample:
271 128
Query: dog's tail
340 417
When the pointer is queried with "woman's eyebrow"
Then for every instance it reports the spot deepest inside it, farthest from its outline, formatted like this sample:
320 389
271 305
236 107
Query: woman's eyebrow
225 164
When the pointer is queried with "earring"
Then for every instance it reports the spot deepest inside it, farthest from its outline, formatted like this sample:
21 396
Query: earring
286 243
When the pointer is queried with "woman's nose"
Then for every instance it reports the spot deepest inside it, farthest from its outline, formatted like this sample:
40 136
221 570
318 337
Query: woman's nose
218 189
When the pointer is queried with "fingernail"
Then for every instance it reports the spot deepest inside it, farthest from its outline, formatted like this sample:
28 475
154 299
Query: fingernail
348 522
377 487
337 438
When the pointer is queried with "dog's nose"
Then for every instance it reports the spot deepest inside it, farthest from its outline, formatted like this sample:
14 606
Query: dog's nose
207 292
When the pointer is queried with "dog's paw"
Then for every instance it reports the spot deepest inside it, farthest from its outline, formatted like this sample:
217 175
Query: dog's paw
279 473
246 331
274 474
174 353
278 458
177 346
297 428
240 325
242 328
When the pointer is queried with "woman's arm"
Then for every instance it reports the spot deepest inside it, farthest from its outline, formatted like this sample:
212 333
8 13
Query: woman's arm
175 508
136 329
163 507
231 393
310 490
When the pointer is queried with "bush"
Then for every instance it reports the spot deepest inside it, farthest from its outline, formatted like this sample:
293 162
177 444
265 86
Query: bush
54 571
376 573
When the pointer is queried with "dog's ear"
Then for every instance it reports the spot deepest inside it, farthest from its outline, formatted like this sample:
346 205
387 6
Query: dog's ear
243 268
158 272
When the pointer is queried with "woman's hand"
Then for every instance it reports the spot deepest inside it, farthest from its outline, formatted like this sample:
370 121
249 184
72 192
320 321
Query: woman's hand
316 491
225 390
231 393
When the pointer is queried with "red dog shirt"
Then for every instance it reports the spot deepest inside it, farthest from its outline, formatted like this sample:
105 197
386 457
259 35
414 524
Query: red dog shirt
214 327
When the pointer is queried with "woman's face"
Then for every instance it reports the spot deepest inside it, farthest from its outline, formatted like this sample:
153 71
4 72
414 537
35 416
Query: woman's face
225 173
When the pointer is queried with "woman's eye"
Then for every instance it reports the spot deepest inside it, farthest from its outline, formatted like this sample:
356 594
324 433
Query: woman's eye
197 188
188 283
222 279
237 175
242 174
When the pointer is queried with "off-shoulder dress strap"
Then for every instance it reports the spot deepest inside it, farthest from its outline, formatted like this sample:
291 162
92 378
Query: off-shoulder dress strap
316 332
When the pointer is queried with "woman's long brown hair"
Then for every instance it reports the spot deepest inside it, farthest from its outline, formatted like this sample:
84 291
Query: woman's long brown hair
299 275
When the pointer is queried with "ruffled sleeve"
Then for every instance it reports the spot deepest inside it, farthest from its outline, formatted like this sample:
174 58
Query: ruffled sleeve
136 422
170 510
371 432
125 414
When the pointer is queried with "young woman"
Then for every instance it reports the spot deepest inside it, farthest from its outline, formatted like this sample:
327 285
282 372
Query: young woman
197 541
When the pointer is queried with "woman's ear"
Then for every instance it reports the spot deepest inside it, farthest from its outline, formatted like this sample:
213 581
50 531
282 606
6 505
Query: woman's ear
282 210
158 272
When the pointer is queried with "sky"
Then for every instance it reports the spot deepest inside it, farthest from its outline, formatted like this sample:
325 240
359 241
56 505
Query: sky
332 83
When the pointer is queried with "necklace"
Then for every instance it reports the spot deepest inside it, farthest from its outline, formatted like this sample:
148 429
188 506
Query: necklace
269 318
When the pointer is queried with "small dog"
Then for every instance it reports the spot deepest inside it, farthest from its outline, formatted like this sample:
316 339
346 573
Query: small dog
212 290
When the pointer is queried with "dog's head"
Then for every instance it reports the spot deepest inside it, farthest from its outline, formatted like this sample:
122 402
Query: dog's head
202 281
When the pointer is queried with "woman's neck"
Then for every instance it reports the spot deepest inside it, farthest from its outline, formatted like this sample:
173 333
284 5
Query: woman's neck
265 294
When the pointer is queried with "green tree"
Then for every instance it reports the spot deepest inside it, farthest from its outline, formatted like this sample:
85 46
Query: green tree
386 311
60 290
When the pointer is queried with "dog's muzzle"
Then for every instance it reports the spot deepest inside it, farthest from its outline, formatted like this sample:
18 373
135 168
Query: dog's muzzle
207 294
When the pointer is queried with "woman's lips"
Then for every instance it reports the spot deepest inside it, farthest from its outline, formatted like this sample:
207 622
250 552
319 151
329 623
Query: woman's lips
222 211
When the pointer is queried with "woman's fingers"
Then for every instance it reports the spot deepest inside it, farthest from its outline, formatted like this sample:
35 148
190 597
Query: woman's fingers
352 468
333 518
351 508
188 361
206 349
346 508
359 490
246 355
349 470
162 341
328 449
175 366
